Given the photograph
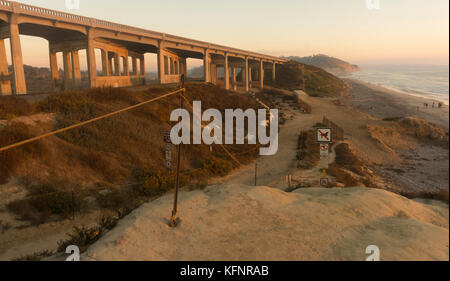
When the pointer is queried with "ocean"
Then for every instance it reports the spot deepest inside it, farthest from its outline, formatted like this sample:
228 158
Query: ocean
425 81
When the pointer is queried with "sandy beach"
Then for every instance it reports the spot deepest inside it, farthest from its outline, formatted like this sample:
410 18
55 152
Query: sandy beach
385 103
424 165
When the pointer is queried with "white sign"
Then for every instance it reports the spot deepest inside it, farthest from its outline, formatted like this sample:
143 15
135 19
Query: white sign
324 150
324 135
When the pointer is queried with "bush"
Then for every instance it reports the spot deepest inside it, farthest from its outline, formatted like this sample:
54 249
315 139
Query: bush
108 222
118 199
35 257
12 106
216 166
44 201
152 182
81 237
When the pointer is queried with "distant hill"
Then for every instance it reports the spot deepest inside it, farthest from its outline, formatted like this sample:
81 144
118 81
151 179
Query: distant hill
330 64
315 81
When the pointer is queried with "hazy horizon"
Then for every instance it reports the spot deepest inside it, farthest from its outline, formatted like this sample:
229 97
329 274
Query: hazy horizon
348 31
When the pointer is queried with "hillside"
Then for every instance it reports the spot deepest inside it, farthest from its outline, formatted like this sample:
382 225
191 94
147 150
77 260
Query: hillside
237 222
123 150
330 64
317 81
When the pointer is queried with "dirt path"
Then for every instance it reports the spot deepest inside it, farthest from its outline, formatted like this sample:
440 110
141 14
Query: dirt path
272 170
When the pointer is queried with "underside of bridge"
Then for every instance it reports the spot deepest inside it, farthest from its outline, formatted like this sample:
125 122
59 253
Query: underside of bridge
122 54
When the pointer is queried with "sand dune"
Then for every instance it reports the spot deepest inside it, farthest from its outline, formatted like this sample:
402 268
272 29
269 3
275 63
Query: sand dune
237 222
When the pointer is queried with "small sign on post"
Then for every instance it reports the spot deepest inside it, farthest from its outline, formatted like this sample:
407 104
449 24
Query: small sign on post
168 151
324 149
324 182
324 135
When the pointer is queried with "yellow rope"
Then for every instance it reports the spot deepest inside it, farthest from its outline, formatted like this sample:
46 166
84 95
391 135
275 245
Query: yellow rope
221 145
90 121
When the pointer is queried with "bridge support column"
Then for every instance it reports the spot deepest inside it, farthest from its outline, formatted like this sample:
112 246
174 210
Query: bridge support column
233 79
20 87
54 67
261 74
92 66
5 80
143 72
76 69
213 77
106 64
226 77
134 65
207 67
161 64
67 70
116 64
274 77
246 75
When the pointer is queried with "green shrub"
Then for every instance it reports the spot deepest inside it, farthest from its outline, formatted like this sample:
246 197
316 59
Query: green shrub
152 182
81 237
217 166
44 201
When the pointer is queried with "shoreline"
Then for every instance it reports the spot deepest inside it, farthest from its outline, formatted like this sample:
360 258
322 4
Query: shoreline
382 102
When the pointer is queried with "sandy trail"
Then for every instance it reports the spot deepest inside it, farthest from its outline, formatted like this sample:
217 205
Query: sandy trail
236 222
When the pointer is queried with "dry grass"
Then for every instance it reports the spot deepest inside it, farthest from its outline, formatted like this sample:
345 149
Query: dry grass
349 169
12 106
127 148
308 153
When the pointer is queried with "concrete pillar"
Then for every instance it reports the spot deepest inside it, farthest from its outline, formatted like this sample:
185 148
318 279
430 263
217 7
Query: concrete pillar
117 64
261 74
161 70
134 65
246 75
142 61
207 66
213 73
111 69
106 64
76 68
5 80
126 69
67 70
92 66
274 77
20 87
226 77
54 66
233 78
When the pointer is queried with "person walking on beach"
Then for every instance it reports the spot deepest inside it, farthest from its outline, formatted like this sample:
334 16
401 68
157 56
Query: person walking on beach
440 105
426 105
433 104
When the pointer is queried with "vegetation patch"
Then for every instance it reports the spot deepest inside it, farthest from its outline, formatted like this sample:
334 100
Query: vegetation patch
45 201
308 152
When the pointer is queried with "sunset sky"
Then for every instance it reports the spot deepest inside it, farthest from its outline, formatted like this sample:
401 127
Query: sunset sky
400 32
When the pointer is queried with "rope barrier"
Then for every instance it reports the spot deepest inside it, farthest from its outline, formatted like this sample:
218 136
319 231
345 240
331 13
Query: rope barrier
90 121
221 145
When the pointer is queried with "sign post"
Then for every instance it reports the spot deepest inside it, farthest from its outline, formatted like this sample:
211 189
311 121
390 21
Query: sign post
174 221
324 136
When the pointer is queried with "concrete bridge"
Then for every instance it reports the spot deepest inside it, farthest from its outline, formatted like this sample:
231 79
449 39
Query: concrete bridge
69 33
